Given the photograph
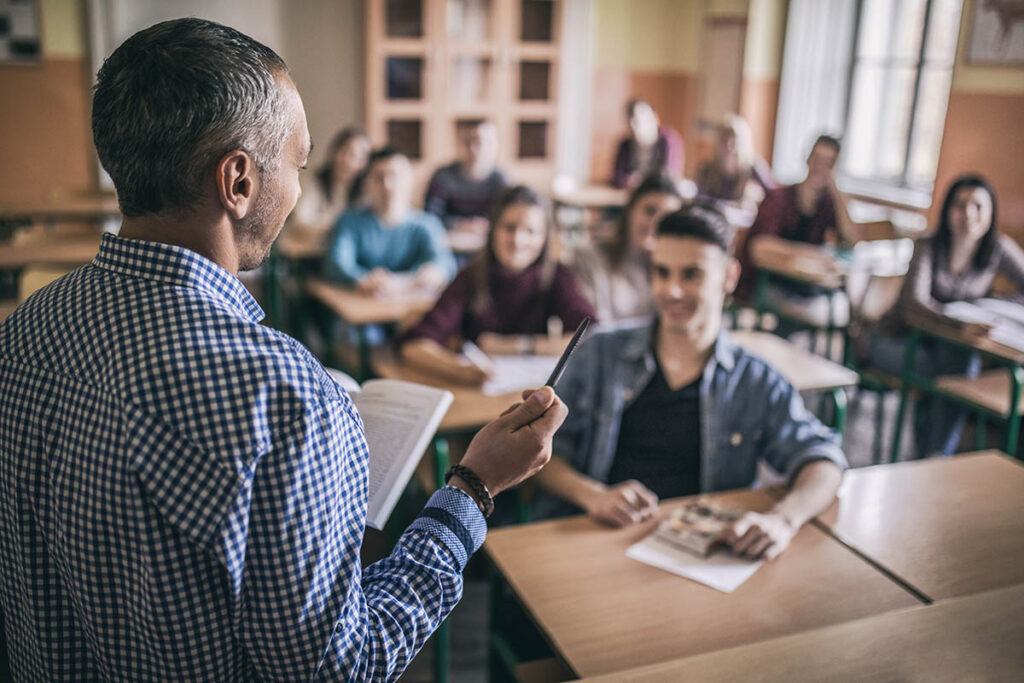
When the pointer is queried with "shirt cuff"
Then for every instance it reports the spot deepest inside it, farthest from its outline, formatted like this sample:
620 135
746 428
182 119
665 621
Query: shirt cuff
453 518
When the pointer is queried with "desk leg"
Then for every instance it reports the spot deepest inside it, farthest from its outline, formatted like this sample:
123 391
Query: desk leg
273 295
839 404
908 372
760 295
979 431
365 363
1013 424
830 325
443 635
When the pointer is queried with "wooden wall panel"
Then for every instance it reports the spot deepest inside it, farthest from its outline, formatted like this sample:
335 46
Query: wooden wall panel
985 134
671 93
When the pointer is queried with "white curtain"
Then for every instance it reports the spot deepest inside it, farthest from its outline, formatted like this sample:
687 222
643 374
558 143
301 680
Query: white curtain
815 80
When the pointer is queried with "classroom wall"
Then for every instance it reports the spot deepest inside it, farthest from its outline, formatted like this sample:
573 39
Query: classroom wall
762 68
985 132
44 129
324 46
647 49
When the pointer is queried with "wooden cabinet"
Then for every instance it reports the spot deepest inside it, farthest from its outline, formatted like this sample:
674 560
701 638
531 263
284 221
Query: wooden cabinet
432 64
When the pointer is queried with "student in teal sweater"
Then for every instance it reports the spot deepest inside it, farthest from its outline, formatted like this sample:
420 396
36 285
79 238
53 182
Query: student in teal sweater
387 248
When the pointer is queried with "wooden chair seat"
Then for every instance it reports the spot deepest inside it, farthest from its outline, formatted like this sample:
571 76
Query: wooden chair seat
991 390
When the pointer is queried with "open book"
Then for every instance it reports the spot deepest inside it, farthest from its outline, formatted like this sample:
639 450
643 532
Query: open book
1005 319
399 419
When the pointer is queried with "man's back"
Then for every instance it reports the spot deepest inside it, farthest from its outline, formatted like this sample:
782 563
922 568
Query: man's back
139 392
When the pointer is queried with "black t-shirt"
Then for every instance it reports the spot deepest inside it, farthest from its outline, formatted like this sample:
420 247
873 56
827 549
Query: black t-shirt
659 439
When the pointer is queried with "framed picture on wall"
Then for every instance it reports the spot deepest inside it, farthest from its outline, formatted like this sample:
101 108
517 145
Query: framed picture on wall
997 33
19 32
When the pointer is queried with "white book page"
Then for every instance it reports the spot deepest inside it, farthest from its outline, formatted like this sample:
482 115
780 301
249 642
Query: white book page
720 570
399 420
515 373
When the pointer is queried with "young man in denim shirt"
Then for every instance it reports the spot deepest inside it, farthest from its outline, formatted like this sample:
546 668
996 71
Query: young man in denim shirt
676 408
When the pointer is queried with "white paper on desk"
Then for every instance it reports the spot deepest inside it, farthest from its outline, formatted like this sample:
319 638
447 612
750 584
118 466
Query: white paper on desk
515 373
721 570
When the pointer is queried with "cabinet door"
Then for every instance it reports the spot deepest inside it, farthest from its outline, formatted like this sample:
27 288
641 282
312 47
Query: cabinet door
536 27
400 85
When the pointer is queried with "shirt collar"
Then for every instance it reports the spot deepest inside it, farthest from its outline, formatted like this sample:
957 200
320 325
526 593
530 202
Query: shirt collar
639 345
176 266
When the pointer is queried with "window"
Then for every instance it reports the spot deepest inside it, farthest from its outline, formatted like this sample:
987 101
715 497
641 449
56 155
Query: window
887 99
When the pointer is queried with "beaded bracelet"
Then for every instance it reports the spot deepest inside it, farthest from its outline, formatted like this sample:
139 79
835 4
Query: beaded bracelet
483 497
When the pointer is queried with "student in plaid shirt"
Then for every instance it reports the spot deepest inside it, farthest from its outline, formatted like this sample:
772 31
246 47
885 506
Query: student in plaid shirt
183 490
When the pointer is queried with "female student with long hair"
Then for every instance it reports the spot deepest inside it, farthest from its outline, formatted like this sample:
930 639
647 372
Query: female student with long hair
335 186
735 173
504 298
614 273
959 262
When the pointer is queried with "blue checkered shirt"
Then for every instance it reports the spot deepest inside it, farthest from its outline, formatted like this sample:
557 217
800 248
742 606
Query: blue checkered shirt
183 492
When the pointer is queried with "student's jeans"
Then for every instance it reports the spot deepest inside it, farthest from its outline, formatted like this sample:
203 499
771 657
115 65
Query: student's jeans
938 422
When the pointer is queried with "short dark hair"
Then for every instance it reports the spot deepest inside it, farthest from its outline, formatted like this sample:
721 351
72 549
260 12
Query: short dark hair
829 141
700 221
173 99
382 154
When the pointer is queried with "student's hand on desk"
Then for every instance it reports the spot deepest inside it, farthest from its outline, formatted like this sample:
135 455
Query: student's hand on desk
469 373
517 444
623 504
760 535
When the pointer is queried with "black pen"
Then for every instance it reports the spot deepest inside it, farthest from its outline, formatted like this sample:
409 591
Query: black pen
556 374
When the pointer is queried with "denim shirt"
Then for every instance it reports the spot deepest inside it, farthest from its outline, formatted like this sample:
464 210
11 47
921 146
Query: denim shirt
748 413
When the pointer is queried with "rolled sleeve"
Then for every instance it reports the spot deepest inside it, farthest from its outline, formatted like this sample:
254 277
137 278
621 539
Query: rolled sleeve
452 517
797 437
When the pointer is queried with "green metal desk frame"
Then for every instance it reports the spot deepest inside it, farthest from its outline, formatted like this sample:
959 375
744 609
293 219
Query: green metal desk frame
926 384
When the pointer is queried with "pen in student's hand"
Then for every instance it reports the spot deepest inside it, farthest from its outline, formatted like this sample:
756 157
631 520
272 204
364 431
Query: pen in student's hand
556 374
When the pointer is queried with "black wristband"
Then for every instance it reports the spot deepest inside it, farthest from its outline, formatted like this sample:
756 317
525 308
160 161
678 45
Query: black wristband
476 485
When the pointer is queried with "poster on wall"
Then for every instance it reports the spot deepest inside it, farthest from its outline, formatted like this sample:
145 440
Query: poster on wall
19 32
997 33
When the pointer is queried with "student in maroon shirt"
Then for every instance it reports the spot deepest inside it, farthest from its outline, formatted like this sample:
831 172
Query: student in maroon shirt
795 221
504 298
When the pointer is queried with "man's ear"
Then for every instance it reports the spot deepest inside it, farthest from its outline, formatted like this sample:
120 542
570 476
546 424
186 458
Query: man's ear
236 183
732 275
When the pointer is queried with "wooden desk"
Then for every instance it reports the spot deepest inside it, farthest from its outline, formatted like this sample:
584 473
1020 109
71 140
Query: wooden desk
604 612
298 245
976 393
946 526
592 197
59 251
977 638
83 208
360 310
470 409
804 370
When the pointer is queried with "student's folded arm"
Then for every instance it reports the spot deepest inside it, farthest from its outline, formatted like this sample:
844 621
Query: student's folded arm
563 481
304 607
796 438
341 263
916 295
813 490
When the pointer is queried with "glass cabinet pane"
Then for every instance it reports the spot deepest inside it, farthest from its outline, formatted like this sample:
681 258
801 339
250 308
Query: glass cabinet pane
468 20
405 135
533 139
403 19
470 80
534 80
538 18
404 78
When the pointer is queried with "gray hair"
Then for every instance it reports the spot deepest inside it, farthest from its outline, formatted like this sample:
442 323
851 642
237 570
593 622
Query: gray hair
173 99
